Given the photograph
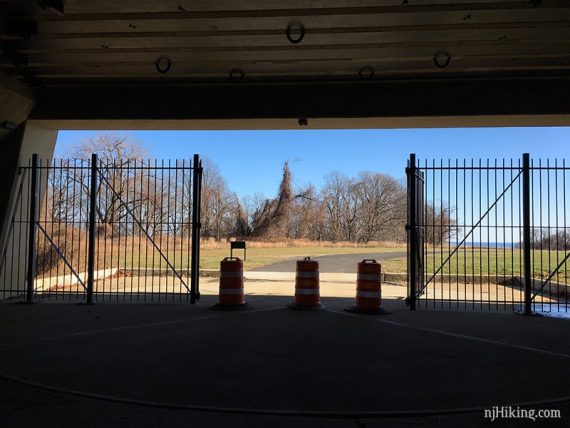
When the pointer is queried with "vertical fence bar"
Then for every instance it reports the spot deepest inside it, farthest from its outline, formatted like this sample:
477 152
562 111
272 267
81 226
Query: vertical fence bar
526 235
412 241
199 227
195 267
33 222
91 239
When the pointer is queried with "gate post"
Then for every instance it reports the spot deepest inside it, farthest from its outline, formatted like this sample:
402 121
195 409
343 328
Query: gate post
32 229
91 248
526 235
412 232
195 260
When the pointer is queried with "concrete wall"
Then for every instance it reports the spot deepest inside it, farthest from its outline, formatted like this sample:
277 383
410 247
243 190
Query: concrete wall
16 103
11 145
35 138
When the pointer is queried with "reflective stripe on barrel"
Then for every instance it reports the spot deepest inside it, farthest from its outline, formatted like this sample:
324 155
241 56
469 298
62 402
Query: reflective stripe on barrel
231 282
307 290
368 294
368 285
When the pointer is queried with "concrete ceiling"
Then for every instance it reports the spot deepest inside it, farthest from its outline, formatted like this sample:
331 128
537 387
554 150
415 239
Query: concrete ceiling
129 42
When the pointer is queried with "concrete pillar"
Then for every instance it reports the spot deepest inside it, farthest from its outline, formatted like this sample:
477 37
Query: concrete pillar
15 108
11 145
35 137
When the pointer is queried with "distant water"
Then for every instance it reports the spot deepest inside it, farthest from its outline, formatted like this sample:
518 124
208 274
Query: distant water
489 244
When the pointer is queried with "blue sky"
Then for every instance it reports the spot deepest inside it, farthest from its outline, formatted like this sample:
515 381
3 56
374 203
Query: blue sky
251 161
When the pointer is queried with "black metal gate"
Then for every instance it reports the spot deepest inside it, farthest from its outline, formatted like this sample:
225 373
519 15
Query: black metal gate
415 230
488 235
104 230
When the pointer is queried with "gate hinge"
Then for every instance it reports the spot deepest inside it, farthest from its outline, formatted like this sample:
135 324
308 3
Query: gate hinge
408 227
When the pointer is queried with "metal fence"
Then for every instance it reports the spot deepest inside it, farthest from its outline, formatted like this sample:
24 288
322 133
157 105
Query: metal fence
104 230
488 234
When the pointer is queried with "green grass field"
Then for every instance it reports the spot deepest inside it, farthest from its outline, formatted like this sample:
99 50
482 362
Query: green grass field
131 253
465 262
256 257
475 261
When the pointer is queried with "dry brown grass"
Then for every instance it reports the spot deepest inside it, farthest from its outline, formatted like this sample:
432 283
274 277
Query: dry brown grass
210 244
69 241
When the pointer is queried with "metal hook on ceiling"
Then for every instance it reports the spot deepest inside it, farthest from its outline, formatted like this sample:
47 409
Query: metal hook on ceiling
163 64
441 59
366 72
236 75
295 26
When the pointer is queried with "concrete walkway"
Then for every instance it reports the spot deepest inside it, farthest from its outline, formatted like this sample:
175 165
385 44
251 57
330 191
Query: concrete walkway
173 365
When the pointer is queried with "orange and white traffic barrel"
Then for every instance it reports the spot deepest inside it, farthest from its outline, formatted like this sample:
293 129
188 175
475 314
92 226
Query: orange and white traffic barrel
231 296
307 291
368 288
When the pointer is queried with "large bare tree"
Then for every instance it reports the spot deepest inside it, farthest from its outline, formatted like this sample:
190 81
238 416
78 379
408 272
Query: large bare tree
439 224
120 190
220 207
306 218
342 207
382 202
370 207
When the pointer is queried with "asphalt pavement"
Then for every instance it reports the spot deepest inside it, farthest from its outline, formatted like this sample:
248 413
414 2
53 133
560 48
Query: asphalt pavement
163 366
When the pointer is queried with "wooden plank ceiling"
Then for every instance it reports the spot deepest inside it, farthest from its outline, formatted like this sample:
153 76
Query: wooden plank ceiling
57 42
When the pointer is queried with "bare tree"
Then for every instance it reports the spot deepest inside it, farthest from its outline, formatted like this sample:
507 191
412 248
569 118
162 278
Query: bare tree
544 239
251 206
439 224
382 207
342 207
218 205
306 215
117 157
58 193
370 207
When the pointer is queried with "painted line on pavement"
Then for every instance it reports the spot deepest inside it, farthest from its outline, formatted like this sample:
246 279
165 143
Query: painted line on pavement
460 336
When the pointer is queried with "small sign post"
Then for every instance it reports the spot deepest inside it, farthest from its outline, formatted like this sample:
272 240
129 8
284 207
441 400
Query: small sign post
240 245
